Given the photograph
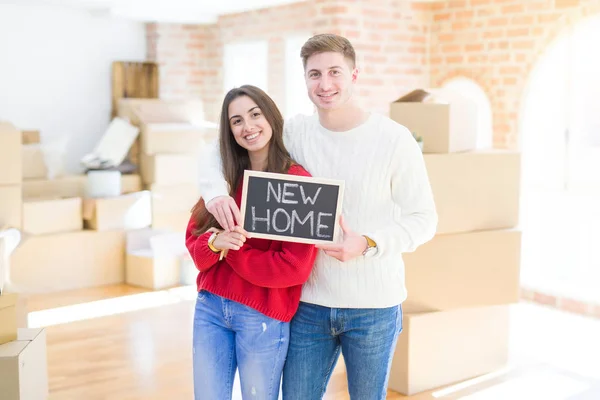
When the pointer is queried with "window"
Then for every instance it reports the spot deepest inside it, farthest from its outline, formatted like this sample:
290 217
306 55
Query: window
470 89
296 97
246 63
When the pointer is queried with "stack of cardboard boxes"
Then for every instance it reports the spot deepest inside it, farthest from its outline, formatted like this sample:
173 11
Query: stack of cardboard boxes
461 283
172 135
56 252
23 365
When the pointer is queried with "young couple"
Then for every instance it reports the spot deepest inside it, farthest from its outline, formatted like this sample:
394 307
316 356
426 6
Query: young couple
272 307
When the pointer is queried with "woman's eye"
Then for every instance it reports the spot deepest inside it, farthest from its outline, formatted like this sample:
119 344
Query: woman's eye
236 121
256 114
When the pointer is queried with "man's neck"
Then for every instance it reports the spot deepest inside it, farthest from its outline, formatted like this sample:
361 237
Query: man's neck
343 119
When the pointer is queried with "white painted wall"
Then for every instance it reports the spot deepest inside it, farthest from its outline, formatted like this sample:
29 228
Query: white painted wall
55 70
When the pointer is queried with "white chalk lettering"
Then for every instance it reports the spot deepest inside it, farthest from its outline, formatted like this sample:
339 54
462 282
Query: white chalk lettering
270 189
286 193
306 199
259 219
309 217
320 225
287 216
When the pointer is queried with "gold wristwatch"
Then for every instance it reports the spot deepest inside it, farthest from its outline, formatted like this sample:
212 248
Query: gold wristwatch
211 240
371 247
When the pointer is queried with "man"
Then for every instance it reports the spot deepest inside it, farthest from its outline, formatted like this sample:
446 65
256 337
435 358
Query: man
352 301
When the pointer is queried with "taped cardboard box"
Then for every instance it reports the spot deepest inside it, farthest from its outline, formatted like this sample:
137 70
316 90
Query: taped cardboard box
50 215
478 190
126 212
10 154
173 198
169 169
24 366
11 206
465 270
31 136
8 317
153 258
445 120
175 221
73 186
173 138
34 165
436 348
73 260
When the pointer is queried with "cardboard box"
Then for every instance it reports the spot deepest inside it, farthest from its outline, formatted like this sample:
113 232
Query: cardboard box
31 137
10 154
11 206
34 165
129 211
43 216
146 270
174 198
153 258
465 270
71 260
446 121
8 318
475 190
438 348
140 111
73 186
169 169
24 366
176 221
172 138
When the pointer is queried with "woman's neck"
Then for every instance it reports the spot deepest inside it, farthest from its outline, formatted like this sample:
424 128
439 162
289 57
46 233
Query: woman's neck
259 159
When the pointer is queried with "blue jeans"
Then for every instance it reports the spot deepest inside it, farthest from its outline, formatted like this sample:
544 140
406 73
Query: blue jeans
366 338
230 335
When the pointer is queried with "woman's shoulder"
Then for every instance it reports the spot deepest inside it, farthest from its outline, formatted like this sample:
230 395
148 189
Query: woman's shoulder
297 169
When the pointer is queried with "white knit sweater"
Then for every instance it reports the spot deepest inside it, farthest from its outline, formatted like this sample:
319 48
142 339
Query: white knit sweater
387 196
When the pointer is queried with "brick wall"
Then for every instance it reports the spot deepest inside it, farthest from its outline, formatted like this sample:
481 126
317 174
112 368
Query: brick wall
392 47
401 45
496 43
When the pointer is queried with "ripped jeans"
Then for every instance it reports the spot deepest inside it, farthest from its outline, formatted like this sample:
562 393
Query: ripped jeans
230 335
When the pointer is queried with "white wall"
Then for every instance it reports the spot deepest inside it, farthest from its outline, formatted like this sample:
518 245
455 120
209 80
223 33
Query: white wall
55 70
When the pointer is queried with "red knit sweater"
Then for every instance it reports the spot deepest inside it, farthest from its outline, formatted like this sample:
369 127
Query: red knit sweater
266 275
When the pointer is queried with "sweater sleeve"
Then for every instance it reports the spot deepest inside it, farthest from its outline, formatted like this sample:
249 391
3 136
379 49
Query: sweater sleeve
204 258
411 191
211 182
287 267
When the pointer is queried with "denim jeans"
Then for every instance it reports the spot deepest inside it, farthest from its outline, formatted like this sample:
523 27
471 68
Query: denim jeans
230 335
366 338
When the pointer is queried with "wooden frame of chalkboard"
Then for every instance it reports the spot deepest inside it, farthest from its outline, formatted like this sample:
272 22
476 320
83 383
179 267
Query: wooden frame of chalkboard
337 184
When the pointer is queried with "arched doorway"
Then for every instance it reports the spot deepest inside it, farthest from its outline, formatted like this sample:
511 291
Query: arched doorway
560 144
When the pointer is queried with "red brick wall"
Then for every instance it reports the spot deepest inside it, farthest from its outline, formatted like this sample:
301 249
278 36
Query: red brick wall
392 47
496 43
401 45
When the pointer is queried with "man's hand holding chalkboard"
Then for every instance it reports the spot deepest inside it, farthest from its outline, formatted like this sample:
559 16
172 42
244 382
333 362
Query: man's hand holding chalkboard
354 245
225 211
233 240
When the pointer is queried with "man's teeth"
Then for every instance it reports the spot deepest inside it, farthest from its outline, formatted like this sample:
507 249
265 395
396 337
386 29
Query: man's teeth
327 95
253 136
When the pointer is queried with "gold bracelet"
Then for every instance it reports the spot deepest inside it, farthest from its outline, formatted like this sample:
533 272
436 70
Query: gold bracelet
211 240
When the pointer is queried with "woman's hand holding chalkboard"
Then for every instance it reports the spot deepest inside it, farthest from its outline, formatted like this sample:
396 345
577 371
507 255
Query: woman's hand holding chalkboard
231 240
353 245
225 211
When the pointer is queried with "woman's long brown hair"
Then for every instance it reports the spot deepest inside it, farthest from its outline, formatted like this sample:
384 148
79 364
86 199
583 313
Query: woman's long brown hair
235 159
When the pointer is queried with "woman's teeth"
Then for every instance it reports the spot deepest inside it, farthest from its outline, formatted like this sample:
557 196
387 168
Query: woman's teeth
253 136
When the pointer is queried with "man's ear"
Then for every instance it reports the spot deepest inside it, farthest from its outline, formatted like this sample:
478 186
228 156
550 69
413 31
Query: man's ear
354 75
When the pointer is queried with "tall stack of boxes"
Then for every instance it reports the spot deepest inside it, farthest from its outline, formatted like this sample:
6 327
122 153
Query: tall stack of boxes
69 241
172 135
461 283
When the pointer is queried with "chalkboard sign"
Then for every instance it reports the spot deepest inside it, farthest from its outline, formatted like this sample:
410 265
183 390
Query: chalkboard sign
290 207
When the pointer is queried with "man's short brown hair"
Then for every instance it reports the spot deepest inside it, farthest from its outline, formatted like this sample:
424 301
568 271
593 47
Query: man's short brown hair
328 42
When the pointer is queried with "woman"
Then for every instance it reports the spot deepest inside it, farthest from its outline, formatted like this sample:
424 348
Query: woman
246 300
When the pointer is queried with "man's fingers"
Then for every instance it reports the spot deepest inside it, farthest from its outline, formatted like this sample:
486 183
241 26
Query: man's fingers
219 216
330 247
343 225
236 212
228 217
